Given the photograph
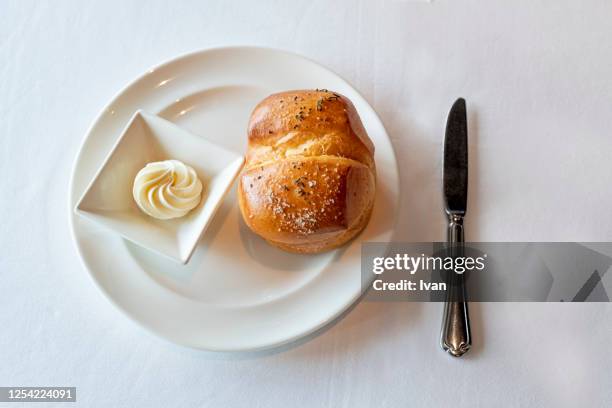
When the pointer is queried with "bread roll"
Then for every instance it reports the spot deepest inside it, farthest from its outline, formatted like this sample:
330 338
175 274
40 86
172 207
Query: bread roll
309 180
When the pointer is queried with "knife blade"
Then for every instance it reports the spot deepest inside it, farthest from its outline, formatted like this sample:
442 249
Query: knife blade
455 176
456 337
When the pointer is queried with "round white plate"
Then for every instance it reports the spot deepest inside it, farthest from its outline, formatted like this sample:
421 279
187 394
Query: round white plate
237 292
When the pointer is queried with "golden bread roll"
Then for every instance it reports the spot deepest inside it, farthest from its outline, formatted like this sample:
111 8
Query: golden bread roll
309 180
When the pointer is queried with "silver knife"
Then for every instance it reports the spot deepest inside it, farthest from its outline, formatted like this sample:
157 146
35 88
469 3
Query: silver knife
456 338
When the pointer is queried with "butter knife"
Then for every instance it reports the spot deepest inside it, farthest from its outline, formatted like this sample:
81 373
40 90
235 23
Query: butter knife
456 337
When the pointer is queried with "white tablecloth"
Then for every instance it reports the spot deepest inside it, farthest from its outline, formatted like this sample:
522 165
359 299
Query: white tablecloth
537 77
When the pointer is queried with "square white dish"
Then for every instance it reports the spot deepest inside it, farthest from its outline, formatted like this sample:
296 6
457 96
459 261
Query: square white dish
108 199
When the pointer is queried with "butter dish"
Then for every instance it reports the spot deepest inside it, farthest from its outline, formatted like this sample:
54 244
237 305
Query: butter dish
147 138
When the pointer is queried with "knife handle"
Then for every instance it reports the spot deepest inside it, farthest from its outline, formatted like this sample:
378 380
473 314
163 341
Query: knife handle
456 338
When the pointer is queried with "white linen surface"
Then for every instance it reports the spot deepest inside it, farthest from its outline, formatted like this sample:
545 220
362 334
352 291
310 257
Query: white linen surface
537 77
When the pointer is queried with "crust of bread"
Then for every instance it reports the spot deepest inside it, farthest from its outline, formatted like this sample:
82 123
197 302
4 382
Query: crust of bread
309 180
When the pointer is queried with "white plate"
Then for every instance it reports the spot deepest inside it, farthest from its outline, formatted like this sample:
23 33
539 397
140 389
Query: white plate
237 292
